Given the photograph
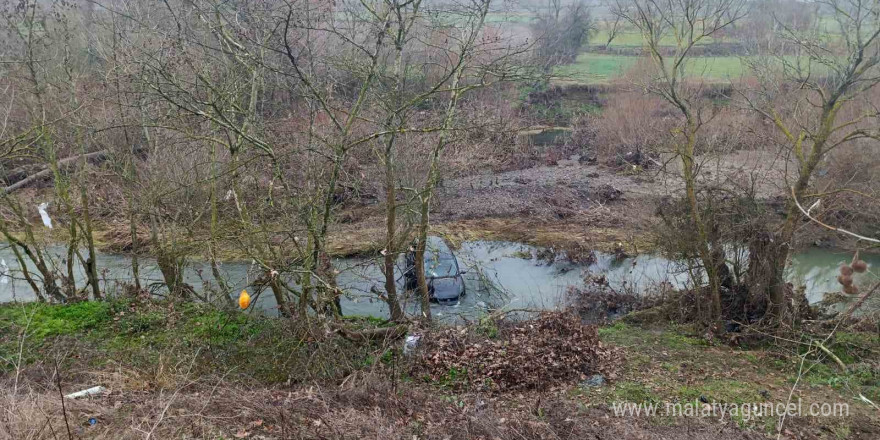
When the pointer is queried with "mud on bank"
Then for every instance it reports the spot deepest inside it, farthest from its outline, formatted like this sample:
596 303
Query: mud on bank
570 205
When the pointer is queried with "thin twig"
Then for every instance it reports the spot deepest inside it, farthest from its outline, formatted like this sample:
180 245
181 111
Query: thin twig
61 396
827 226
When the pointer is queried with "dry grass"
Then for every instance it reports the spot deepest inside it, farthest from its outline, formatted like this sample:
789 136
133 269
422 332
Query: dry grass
198 390
370 409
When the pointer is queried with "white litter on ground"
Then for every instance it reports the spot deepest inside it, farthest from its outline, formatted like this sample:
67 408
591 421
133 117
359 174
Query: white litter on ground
45 215
410 344
4 272
87 392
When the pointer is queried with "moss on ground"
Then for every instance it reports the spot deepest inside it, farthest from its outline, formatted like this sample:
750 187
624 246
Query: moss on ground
43 321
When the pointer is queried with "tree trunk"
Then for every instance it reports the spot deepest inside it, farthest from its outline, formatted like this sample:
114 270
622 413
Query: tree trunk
428 193
225 290
703 237
72 243
785 237
332 294
92 261
776 256
48 171
135 264
278 293
419 264
390 256
767 258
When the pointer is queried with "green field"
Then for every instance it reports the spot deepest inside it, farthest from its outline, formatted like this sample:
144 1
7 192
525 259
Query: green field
595 68
631 38
509 17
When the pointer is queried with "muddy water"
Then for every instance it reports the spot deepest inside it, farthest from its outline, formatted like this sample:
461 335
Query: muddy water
499 274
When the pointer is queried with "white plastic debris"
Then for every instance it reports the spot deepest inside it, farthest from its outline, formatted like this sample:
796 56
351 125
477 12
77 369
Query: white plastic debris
410 344
45 215
4 272
87 392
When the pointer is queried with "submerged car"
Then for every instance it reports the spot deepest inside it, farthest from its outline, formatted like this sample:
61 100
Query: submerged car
442 273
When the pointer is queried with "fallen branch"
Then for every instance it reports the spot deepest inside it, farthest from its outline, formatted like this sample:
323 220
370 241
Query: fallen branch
374 334
831 355
16 174
859 303
46 172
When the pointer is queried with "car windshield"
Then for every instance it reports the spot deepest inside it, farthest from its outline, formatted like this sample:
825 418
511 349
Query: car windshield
440 266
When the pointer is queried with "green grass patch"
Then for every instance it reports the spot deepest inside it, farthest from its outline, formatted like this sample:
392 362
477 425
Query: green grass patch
149 336
720 391
42 320
593 68
619 330
631 38
453 378
727 393
851 347
367 321
677 338
634 392
670 337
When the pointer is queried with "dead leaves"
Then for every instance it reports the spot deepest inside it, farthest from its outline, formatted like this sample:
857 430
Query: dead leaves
553 349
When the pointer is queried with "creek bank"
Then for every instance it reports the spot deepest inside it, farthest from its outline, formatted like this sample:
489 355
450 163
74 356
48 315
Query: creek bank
564 203
247 376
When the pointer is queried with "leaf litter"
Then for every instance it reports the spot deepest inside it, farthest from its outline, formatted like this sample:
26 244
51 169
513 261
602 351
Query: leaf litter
554 349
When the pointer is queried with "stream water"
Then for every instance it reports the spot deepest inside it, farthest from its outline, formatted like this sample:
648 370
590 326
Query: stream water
499 274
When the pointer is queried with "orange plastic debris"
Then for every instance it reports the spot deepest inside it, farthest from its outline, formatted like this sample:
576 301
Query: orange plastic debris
244 300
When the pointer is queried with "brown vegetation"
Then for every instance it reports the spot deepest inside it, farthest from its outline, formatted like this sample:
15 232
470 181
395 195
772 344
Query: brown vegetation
551 350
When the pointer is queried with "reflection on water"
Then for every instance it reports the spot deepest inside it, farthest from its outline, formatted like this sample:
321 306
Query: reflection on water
498 274
817 270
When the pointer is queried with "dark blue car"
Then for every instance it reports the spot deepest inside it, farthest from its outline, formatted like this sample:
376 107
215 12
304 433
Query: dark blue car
444 277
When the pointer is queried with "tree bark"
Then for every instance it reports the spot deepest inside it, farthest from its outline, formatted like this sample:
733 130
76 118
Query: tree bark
427 195
687 162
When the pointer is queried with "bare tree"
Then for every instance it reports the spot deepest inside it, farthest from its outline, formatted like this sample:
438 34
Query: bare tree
686 23
814 90
561 31
49 129
612 23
